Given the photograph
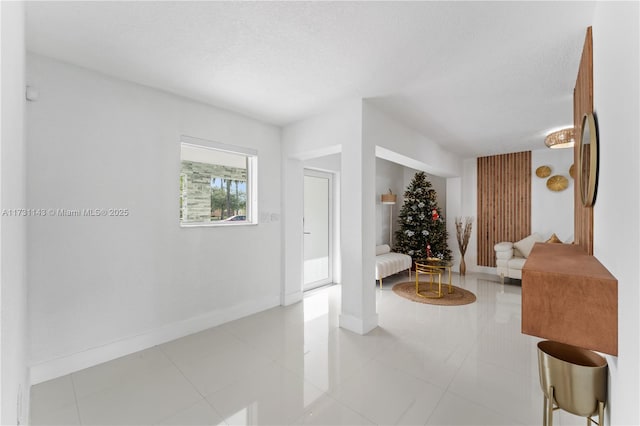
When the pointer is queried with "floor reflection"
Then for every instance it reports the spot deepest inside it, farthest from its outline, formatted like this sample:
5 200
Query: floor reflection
424 364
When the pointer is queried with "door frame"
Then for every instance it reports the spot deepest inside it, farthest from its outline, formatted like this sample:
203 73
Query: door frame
330 278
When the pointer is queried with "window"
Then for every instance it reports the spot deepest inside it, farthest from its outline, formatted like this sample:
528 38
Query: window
217 183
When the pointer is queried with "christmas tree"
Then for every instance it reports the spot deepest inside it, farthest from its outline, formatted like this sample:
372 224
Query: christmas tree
422 232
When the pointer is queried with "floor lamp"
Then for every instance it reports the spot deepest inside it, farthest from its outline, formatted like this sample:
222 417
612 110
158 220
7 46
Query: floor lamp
389 199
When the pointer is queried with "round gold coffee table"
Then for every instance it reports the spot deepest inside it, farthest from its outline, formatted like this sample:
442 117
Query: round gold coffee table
443 265
423 268
438 264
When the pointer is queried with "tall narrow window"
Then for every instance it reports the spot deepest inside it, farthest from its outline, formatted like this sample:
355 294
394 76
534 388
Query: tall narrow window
217 183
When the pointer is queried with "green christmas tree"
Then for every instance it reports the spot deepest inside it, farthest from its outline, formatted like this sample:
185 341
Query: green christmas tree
422 232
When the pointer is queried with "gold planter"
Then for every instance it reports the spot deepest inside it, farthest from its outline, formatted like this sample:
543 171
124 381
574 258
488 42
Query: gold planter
573 379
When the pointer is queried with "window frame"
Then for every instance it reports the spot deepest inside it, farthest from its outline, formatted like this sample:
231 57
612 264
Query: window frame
252 180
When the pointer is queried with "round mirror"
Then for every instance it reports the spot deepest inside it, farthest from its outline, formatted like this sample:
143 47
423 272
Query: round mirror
588 160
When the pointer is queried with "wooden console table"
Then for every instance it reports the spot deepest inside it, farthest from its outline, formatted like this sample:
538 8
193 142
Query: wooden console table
570 297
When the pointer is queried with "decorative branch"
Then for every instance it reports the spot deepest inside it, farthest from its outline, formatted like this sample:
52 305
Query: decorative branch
463 232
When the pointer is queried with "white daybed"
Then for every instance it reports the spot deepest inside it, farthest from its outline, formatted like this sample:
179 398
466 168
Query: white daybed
389 263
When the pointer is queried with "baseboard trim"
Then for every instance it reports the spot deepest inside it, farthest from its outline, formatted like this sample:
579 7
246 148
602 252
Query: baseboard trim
64 365
290 299
485 270
358 325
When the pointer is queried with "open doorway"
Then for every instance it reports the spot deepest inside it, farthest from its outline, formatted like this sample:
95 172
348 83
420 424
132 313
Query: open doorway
318 229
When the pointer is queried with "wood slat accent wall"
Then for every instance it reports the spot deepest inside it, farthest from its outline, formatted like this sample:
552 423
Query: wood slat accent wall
504 202
582 104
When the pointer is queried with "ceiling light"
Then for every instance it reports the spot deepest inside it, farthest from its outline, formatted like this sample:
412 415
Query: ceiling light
560 139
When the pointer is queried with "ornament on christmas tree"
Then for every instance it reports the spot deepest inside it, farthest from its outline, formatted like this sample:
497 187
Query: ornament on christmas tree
421 232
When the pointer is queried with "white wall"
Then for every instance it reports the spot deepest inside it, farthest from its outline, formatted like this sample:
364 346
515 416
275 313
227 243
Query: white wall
469 207
552 212
462 202
339 129
398 143
454 209
330 163
100 287
616 242
389 175
292 256
307 143
14 390
323 134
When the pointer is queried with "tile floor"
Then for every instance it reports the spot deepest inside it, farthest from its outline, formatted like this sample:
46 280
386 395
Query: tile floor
425 364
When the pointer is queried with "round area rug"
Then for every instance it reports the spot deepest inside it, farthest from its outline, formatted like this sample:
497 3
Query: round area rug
460 296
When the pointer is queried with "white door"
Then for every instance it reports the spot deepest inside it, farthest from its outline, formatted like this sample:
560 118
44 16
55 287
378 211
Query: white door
317 229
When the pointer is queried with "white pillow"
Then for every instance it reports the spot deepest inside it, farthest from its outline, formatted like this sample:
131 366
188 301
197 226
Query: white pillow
383 249
525 245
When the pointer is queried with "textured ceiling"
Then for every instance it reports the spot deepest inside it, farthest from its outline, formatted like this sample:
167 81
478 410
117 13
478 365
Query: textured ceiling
479 78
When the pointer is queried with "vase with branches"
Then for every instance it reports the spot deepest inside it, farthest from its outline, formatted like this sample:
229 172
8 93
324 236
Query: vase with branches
463 233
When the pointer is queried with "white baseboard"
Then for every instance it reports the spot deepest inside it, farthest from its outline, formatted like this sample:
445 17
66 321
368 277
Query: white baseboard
358 325
290 299
58 367
485 270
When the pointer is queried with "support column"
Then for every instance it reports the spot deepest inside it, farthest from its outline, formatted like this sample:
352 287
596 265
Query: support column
14 327
357 220
293 192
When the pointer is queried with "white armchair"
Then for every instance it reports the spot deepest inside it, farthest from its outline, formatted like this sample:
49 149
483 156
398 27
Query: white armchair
511 257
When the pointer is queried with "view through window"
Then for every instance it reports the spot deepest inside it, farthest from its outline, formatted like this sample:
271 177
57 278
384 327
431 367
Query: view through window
215 184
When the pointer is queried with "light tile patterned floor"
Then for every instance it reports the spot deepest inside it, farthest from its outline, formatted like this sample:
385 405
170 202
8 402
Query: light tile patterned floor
425 364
